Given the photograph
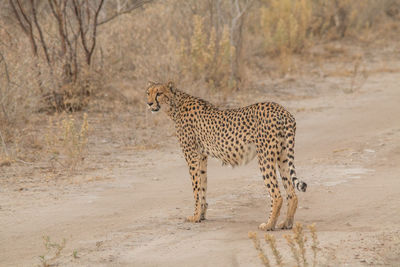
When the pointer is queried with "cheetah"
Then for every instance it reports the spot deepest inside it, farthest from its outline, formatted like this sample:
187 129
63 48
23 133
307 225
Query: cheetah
235 136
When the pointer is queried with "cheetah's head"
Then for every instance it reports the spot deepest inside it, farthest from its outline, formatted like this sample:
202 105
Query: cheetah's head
158 94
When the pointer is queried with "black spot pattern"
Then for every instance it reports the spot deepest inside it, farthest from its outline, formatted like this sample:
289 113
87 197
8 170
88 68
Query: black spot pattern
234 136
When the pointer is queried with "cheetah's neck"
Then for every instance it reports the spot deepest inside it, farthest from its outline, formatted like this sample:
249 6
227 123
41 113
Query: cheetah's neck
178 99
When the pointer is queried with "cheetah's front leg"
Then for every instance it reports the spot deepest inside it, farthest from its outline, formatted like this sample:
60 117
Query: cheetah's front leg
203 187
193 159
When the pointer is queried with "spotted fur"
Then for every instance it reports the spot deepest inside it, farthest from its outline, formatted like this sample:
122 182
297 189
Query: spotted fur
235 136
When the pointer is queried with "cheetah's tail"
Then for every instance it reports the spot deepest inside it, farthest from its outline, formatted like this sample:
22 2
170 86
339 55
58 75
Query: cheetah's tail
300 185
289 146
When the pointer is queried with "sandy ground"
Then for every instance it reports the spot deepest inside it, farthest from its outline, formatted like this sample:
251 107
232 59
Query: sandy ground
130 209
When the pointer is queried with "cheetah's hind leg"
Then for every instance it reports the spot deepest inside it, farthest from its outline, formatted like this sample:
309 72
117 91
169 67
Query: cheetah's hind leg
287 171
267 161
290 192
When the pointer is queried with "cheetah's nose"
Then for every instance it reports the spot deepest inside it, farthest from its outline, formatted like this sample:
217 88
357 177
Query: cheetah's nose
150 104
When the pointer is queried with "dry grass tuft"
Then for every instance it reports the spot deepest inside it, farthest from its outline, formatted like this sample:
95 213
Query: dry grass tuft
285 26
300 239
69 150
291 27
207 57
261 254
296 243
53 251
292 245
285 23
270 239
315 242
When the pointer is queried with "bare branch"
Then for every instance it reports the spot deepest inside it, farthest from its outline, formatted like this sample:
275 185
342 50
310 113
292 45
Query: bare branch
137 4
4 144
95 29
7 42
28 30
239 11
72 45
56 9
5 67
51 3
78 13
18 17
42 40
87 13
24 14
2 59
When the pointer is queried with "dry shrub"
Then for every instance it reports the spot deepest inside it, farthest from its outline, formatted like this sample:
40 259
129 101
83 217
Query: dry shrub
74 95
299 252
314 246
290 27
207 57
18 80
19 94
285 24
336 19
52 56
141 46
67 141
21 98
261 254
169 40
296 243
271 241
53 251
295 252
186 41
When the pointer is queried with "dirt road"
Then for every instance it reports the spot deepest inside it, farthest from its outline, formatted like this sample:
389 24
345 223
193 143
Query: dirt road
347 150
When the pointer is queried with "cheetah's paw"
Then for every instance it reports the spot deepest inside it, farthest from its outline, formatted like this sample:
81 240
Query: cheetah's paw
266 227
194 219
286 224
203 212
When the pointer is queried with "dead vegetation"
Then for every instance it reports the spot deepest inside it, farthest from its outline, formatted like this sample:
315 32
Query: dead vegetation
297 244
72 74
95 56
53 251
67 142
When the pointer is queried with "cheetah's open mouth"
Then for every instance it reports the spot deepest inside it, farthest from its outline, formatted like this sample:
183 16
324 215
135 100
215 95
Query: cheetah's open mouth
155 109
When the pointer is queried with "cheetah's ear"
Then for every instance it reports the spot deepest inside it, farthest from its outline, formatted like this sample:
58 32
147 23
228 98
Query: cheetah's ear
171 85
150 83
